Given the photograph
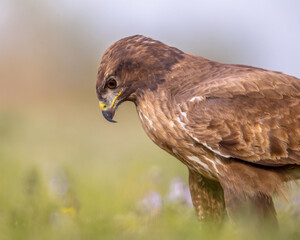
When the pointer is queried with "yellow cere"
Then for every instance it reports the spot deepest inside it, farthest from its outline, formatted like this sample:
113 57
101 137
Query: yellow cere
104 107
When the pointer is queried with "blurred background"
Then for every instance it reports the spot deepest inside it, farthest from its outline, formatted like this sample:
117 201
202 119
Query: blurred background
66 173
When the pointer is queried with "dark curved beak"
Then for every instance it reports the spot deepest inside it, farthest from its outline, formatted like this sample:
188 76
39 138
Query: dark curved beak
109 114
109 111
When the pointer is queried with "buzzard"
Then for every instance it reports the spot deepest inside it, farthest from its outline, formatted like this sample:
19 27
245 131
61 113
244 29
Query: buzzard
235 127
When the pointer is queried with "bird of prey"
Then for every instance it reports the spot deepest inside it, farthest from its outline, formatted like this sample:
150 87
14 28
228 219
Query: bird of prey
235 127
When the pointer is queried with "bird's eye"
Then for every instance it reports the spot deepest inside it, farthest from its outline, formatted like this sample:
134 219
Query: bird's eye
111 83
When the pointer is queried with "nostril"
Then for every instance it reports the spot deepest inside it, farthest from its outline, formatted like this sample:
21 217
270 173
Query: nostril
102 106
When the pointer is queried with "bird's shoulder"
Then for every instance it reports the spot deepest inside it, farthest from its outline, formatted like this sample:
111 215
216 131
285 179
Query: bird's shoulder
202 77
246 113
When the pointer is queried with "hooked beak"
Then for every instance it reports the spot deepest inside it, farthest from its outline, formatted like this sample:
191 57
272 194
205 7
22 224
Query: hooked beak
108 112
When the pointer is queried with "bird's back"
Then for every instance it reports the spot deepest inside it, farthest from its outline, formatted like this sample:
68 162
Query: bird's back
241 112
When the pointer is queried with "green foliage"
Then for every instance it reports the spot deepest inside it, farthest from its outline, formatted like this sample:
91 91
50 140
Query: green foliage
68 174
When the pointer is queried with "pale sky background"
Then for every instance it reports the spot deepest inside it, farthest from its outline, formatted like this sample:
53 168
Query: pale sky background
63 40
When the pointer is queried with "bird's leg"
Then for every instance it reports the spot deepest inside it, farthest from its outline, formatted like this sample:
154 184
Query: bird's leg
258 207
248 192
207 196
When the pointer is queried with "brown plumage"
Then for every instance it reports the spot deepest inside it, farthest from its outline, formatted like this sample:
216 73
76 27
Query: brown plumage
236 128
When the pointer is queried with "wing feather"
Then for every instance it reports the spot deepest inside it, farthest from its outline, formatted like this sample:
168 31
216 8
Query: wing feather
250 114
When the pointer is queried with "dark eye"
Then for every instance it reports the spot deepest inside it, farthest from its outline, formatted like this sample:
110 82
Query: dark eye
111 83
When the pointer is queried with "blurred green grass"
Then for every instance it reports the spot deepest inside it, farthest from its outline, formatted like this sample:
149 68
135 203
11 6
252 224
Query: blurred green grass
66 173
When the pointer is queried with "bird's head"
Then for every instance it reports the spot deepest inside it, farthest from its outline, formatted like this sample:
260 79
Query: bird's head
130 66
